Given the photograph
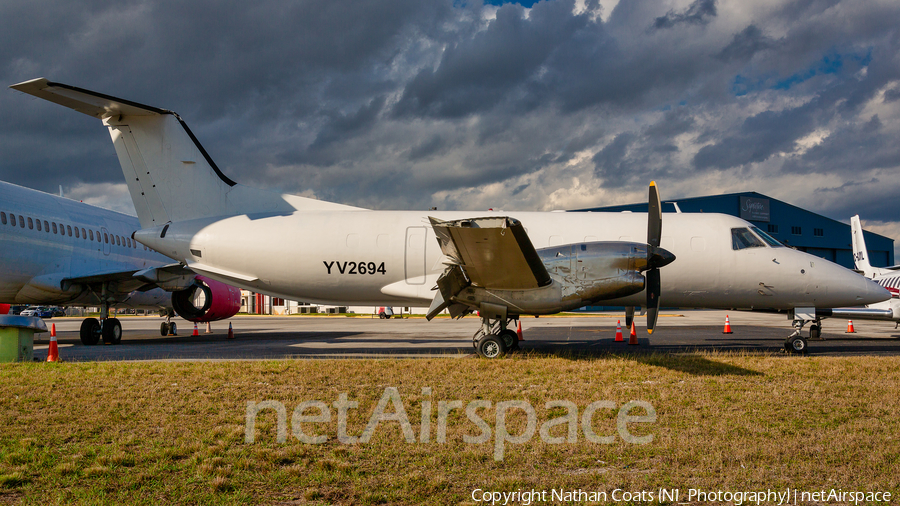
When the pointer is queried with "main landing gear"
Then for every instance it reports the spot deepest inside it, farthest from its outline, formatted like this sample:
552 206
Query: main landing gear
168 327
495 339
110 329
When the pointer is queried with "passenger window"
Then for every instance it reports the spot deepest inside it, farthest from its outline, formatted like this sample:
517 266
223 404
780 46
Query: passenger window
83 233
117 241
30 223
62 229
3 218
39 225
54 228
98 236
21 221
105 237
46 226
742 238
69 228
92 234
129 241
77 235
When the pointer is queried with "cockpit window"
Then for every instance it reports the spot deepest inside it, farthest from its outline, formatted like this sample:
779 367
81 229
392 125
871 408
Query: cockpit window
742 238
768 238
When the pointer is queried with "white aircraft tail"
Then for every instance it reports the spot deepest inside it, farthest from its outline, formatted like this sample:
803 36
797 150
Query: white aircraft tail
169 174
860 253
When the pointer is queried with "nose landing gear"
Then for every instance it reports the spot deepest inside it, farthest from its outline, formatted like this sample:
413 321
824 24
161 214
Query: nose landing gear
796 343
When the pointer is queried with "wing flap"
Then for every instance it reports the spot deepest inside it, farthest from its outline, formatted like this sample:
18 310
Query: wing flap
494 252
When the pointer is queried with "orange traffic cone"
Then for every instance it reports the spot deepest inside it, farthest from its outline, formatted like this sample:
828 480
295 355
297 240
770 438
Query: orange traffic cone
633 338
850 329
727 326
519 332
208 328
53 351
619 338
230 331
196 330
53 330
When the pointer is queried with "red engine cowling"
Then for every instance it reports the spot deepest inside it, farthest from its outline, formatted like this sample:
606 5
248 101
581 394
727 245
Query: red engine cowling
207 300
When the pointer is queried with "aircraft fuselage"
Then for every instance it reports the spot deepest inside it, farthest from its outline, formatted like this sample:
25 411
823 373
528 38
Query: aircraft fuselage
392 257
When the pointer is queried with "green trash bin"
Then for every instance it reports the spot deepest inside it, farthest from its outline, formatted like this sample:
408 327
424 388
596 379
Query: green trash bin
17 337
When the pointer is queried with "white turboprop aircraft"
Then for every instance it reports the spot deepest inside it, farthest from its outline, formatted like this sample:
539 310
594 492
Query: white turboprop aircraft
59 251
501 264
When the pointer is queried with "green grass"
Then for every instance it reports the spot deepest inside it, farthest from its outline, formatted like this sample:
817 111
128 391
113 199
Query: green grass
162 433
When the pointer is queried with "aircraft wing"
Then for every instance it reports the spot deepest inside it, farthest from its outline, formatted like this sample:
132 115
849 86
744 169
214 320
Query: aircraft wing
493 252
168 277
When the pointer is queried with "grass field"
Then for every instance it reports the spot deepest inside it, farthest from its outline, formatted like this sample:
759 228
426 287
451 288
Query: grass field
163 433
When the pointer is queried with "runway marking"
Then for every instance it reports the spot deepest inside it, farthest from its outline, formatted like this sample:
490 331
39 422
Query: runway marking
47 346
387 344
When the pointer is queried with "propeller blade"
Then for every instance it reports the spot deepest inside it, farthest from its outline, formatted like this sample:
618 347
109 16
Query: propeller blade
653 289
654 217
629 316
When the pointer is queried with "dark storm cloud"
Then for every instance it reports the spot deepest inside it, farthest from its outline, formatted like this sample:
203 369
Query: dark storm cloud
746 44
698 13
851 149
759 137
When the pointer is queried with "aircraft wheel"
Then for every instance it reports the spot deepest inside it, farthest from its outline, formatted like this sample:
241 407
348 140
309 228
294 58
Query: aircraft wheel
491 347
796 345
112 331
90 331
173 329
815 332
510 339
163 329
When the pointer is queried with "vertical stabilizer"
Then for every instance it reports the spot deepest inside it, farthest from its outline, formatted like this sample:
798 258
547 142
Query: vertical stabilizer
860 253
170 176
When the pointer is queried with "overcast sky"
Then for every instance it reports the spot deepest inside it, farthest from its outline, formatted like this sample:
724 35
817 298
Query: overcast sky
409 104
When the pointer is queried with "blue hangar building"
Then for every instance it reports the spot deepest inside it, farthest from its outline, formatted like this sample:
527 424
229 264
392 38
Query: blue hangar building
793 226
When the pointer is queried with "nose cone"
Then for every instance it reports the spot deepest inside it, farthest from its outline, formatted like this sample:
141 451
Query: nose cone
659 258
853 289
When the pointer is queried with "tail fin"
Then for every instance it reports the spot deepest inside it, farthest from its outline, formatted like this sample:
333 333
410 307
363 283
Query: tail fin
860 253
169 174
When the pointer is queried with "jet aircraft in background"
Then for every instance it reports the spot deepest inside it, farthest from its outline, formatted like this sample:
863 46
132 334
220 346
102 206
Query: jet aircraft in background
501 264
59 251
888 277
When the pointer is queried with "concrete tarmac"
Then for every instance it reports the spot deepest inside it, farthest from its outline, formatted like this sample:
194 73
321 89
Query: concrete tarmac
308 337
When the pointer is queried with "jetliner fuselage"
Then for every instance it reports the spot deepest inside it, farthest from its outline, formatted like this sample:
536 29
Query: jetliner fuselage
48 240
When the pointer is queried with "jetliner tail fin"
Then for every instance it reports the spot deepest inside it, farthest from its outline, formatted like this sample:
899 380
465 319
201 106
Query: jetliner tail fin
169 174
860 253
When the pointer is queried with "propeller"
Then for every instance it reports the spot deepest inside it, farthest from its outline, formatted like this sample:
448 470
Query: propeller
656 256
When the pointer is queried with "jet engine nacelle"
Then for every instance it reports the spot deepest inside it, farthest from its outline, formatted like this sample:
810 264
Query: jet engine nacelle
207 300
581 274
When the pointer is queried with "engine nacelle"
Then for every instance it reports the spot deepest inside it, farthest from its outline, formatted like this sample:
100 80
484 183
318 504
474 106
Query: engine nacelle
207 300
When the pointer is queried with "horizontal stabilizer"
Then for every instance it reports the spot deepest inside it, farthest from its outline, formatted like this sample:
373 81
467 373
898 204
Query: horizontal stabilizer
85 101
